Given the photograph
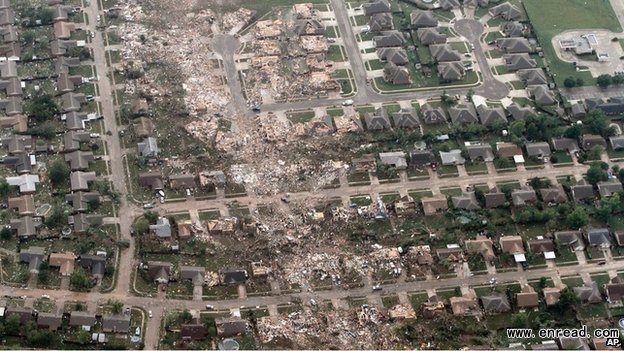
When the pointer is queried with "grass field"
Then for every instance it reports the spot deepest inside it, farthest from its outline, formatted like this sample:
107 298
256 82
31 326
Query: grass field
552 17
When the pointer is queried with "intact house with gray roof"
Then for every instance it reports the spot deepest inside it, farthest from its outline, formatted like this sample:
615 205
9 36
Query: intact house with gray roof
159 272
617 142
194 274
554 195
79 160
80 180
82 319
523 197
378 120
397 75
80 200
538 149
449 4
34 256
429 36
75 120
542 95
495 303
588 293
480 152
514 45
73 139
81 222
598 237
610 187
463 114
422 18
51 321
519 113
394 159
506 11
444 53
571 238
162 228
148 148
182 181
466 201
94 263
515 62
422 158
565 144
389 39
11 105
512 29
72 102
432 114
495 198
115 323
452 157
405 118
18 144
590 141
491 115
451 71
476 3
26 227
379 22
233 276
582 191
376 6
577 110
614 106
21 163
397 55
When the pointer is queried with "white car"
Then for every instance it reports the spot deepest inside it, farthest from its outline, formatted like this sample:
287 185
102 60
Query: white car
210 307
149 313
347 102
94 135
148 206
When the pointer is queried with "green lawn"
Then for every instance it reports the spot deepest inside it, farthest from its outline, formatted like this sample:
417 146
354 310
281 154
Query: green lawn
335 53
300 116
451 191
552 17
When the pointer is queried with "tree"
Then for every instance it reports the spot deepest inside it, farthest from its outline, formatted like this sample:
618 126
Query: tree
596 174
5 188
45 15
79 280
578 218
519 320
603 80
83 337
470 94
116 306
57 218
598 123
539 183
141 226
6 233
542 283
186 316
43 107
617 79
28 37
151 216
447 100
574 132
12 325
59 172
580 82
46 131
567 299
569 82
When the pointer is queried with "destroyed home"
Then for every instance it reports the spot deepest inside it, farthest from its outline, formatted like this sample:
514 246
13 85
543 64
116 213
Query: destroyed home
34 256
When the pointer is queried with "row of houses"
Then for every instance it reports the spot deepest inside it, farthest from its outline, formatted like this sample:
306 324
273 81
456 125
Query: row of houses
109 323
65 262
163 272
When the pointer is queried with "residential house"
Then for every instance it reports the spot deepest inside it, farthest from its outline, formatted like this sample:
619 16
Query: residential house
18 123
421 18
538 149
65 261
514 45
448 5
152 180
464 305
590 141
572 239
27 183
430 35
231 277
397 75
376 6
34 256
162 228
614 106
379 22
82 319
467 201
66 83
482 245
511 244
532 76
523 197
610 187
79 160
72 102
527 297
578 111
452 157
389 39
554 195
12 87
452 253
542 245
398 56
432 115
193 331
194 274
519 113
25 205
515 62
73 139
406 118
148 148
80 200
433 205
476 3
573 343
393 159
598 237
25 314
495 198
159 272
227 327
75 120
421 159
451 71
80 180
551 295
378 120
50 321
96 264
615 291
588 293
491 115
18 144
512 29
182 181
497 303
507 150
565 144
444 53
582 191
116 324
12 105
26 227
479 152
542 95
21 162
463 114
506 11
619 237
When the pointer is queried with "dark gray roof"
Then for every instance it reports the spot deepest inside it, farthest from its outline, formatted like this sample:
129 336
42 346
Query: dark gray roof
153 180
609 188
522 197
589 141
444 53
570 238
513 29
421 158
451 71
461 114
506 11
78 318
449 4
578 110
582 190
389 39
159 271
376 6
490 115
396 74
34 255
495 303
515 62
406 118
432 115
79 160
308 27
233 276
467 201
514 45
398 56
378 120
116 324
519 112
554 195
542 95
429 35
617 142
97 264
380 21
72 140
495 198
422 18
483 152
565 144
541 149
80 200
598 237
195 274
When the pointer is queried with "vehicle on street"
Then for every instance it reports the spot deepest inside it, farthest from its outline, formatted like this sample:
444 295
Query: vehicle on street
347 102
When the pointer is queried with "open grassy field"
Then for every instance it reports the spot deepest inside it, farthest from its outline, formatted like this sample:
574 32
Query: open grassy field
552 17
